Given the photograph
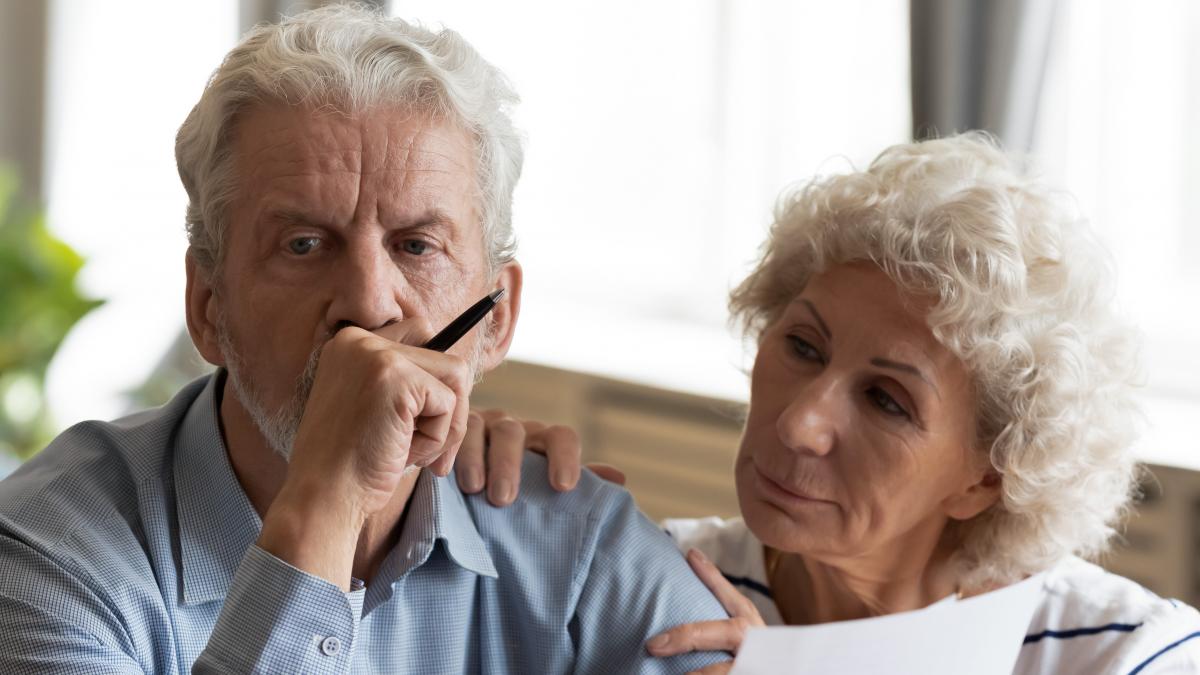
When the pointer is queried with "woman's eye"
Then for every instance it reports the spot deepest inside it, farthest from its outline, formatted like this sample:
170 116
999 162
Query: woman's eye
886 403
415 246
803 349
303 245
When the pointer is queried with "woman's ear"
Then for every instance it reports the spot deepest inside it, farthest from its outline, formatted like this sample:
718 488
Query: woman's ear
976 498
502 321
201 308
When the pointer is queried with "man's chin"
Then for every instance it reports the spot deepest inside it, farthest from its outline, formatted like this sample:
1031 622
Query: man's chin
277 430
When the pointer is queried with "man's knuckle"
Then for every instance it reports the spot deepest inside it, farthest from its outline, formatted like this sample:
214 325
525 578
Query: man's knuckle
458 428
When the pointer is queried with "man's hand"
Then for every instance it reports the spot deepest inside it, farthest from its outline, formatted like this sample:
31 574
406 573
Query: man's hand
495 443
377 407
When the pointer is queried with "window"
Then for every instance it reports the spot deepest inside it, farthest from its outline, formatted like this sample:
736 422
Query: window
659 135
1120 129
120 82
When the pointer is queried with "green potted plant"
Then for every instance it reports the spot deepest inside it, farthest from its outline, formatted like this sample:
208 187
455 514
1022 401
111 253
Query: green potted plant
39 304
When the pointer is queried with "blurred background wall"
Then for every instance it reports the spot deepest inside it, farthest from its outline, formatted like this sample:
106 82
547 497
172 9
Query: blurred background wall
659 135
22 90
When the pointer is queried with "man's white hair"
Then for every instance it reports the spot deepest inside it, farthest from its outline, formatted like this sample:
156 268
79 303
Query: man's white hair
350 59
1023 296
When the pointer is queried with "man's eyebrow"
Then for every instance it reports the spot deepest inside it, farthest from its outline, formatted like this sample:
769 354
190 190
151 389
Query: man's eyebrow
820 322
436 217
904 367
431 217
289 216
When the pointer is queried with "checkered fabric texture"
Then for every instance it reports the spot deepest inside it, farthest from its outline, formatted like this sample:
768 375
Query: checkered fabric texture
129 547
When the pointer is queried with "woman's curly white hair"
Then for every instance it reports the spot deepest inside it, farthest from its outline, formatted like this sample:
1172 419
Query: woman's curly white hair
1023 296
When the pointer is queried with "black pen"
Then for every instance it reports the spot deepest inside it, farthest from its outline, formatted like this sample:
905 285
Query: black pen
464 323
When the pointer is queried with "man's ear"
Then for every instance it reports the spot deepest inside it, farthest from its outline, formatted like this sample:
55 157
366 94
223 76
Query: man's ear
201 309
976 498
503 318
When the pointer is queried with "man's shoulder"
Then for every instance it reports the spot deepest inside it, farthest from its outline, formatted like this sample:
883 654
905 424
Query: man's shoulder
572 526
615 577
593 499
90 474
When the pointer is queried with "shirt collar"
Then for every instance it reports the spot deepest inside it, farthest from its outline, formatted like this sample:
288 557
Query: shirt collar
437 512
442 514
217 522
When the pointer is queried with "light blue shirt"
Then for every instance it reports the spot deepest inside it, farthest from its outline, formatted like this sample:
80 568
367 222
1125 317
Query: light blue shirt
128 547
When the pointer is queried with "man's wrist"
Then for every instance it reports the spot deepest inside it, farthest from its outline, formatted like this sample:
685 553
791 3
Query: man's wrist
315 528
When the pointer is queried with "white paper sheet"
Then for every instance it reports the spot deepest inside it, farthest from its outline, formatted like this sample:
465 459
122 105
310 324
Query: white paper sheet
981 635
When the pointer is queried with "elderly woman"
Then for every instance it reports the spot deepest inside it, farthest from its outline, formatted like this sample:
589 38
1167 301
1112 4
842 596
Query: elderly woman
940 406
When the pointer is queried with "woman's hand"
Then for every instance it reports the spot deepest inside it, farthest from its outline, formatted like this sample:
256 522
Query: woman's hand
723 635
495 444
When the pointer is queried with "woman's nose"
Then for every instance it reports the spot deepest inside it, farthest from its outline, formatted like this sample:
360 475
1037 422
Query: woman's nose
809 423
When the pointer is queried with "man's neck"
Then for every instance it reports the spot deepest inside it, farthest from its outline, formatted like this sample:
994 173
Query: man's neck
913 574
261 472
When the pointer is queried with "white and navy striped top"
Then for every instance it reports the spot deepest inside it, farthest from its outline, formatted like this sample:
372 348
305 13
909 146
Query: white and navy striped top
1089 621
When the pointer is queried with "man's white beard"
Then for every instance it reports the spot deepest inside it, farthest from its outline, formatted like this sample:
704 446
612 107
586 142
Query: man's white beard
279 427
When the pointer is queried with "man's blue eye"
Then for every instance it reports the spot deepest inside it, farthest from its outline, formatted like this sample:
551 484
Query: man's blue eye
303 245
415 246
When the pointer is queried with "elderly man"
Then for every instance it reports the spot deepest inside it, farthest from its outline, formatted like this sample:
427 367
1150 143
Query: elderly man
350 180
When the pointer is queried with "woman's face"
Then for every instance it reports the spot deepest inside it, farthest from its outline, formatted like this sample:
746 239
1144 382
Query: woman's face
860 434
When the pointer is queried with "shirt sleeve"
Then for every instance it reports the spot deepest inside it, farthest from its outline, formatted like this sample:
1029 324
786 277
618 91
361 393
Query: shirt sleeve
34 641
53 622
637 585
277 618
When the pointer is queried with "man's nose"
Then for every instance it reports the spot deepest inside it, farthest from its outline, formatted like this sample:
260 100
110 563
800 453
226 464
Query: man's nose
368 287
810 422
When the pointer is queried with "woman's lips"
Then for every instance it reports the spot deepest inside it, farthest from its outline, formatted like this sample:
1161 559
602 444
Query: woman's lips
781 495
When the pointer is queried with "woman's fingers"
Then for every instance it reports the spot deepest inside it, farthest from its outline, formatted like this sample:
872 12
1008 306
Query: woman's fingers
470 466
608 472
495 446
738 605
563 450
724 635
505 447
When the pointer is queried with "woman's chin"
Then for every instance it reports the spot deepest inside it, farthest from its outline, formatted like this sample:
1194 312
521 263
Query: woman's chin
781 529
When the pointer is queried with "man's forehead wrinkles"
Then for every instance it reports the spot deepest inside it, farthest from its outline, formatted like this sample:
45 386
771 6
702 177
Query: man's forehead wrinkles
420 154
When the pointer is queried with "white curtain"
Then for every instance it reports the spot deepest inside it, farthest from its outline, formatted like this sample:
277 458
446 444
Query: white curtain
979 64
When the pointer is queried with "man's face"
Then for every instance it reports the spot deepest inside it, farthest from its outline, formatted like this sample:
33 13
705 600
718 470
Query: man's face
366 220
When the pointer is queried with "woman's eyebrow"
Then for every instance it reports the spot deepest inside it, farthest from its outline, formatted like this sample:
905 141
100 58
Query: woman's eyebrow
820 322
896 365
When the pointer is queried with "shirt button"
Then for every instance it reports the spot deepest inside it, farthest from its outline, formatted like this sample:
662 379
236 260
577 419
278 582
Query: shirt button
330 646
